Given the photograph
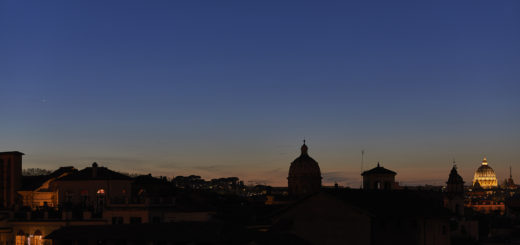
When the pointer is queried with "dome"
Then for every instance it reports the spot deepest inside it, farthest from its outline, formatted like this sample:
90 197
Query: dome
485 176
304 165
304 174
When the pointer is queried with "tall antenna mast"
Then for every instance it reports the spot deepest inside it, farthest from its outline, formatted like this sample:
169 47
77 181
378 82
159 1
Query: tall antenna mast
362 161
510 172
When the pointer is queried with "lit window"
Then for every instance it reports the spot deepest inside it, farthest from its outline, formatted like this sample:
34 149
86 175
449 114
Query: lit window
100 192
20 238
36 238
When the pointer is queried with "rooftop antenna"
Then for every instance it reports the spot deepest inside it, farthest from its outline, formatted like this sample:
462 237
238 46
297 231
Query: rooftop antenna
362 159
362 162
510 172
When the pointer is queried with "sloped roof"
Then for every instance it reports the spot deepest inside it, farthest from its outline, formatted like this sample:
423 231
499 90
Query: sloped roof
30 183
11 152
379 170
102 173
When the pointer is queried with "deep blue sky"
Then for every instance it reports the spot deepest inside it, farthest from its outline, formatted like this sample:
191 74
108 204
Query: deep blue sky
223 88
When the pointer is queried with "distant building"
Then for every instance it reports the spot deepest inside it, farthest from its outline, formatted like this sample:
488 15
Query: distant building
304 174
93 187
40 191
454 199
379 178
485 176
229 185
510 183
462 228
10 177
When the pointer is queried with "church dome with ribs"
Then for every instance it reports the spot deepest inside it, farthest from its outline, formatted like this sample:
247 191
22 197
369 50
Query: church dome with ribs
304 174
485 176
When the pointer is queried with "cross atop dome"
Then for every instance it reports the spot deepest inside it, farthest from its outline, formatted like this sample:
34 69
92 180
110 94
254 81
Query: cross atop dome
484 161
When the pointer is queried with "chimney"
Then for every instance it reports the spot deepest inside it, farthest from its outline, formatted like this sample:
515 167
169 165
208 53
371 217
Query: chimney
94 170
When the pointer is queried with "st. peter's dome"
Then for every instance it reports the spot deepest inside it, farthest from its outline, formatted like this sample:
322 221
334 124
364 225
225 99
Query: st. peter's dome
485 176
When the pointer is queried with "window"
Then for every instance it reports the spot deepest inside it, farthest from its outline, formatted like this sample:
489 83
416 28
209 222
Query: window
100 196
156 219
68 197
36 239
141 195
135 220
117 220
20 238
84 197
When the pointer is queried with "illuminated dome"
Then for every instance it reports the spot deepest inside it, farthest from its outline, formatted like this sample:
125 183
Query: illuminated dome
304 174
485 176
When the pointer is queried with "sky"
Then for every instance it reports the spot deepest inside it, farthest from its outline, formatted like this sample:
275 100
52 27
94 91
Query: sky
231 88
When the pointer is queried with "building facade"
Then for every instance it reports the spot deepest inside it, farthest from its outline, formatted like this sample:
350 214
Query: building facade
10 177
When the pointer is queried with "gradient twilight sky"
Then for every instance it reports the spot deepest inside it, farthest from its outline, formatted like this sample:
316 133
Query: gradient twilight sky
230 88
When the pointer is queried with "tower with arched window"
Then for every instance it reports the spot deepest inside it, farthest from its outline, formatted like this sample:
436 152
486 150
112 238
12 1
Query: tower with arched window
379 178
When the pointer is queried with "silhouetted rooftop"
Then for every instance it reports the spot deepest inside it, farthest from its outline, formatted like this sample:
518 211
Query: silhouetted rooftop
102 173
183 232
30 183
11 152
395 203
379 170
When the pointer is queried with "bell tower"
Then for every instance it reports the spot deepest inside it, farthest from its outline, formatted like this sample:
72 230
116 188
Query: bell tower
10 177
454 196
